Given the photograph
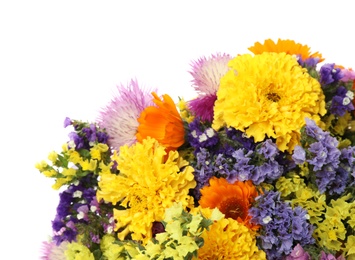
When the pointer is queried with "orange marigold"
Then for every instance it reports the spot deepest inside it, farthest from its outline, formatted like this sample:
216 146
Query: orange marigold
162 122
233 200
287 46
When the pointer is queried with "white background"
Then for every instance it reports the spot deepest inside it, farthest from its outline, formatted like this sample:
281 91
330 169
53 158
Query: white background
65 58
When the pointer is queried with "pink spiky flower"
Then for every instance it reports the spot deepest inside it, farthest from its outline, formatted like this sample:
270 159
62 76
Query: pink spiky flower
51 251
207 73
119 117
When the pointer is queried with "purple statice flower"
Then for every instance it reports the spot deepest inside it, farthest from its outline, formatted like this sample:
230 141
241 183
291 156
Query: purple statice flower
242 166
82 212
313 130
310 62
76 141
329 74
267 172
67 122
347 160
62 231
207 73
74 203
263 165
201 136
342 101
110 225
203 171
90 133
282 227
268 149
95 238
324 153
331 170
298 253
299 155
238 137
119 117
86 135
324 178
224 166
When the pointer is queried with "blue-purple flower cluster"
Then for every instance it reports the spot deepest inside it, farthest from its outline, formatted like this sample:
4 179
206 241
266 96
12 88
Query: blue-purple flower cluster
338 97
231 155
73 207
283 227
84 135
333 167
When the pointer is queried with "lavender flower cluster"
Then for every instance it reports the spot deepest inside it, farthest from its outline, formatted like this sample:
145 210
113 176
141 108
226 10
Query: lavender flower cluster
283 227
84 135
231 155
338 97
73 207
333 167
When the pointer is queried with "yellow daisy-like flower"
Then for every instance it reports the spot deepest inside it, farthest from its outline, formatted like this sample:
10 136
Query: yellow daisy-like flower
268 95
229 239
148 183
287 46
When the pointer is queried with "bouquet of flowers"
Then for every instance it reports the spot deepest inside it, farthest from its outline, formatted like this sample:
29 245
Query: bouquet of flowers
260 165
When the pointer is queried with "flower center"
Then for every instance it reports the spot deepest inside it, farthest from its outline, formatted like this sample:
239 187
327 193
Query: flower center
273 97
233 208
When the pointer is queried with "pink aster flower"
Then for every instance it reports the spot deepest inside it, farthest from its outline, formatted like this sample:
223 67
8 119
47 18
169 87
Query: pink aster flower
206 73
51 251
119 117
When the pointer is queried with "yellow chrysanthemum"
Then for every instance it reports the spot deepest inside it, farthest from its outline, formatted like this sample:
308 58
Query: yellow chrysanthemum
268 95
148 183
229 239
287 46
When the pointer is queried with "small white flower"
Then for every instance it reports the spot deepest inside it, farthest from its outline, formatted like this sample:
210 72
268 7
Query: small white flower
109 230
350 94
210 132
242 177
346 101
207 162
77 194
71 144
202 138
307 216
267 219
93 208
194 134
80 215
